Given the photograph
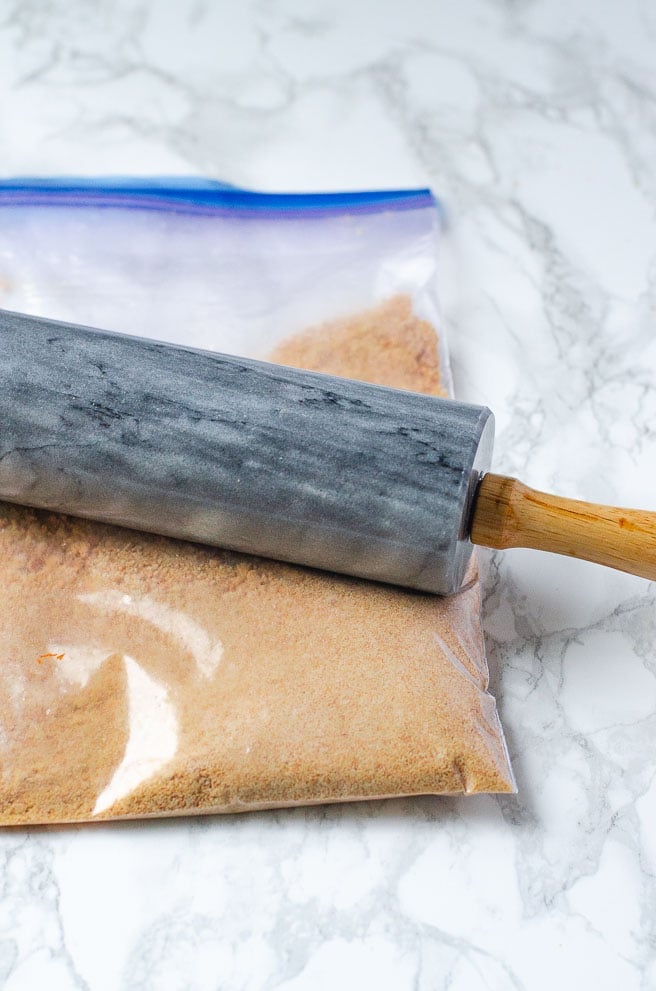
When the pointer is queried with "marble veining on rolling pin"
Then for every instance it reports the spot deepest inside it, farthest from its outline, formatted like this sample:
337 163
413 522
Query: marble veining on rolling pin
536 124
252 456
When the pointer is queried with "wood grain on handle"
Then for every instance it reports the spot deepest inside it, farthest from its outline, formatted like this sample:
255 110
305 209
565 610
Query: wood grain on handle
508 513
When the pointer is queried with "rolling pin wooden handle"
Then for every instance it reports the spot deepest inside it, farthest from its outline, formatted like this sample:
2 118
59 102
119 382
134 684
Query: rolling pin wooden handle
507 513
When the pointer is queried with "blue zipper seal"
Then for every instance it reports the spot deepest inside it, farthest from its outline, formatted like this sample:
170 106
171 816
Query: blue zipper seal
197 195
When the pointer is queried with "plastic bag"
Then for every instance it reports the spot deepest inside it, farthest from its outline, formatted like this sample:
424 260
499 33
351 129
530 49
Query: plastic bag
145 676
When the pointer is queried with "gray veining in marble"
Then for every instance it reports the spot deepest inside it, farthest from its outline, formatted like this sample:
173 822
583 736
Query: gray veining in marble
536 124
274 461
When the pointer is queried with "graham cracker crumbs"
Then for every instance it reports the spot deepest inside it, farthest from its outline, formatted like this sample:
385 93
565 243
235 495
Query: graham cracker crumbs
386 345
175 678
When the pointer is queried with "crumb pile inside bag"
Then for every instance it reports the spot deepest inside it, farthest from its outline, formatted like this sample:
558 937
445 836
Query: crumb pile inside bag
145 676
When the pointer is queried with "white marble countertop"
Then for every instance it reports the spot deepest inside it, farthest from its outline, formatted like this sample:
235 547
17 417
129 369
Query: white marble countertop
536 124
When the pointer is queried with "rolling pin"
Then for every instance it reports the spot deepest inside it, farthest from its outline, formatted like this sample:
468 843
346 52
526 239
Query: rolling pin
260 458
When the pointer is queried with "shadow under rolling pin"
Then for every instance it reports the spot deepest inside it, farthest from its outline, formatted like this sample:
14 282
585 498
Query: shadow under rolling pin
275 461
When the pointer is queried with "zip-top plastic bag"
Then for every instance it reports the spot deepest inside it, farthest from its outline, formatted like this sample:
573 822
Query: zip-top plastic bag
146 676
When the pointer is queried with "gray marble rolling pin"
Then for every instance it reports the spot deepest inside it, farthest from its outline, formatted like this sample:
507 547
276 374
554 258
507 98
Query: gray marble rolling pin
288 464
